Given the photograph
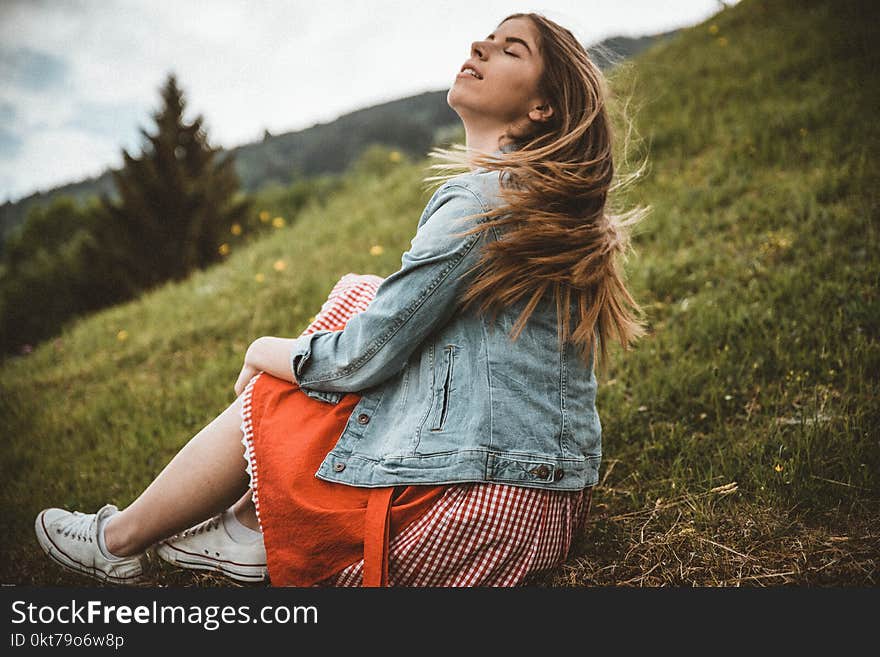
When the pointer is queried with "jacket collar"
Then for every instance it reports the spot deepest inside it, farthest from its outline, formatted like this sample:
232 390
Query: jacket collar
507 148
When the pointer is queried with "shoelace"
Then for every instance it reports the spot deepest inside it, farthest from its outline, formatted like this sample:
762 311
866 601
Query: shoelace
206 526
80 525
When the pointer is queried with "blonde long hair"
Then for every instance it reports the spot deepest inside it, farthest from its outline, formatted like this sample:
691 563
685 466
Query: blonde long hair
555 184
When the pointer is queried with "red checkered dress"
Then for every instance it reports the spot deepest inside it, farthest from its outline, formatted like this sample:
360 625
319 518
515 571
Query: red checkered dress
476 534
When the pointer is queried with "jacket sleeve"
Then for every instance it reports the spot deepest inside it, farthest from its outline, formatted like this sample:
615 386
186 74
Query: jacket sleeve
408 306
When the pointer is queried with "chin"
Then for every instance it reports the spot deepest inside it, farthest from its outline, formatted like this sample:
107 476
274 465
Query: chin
455 100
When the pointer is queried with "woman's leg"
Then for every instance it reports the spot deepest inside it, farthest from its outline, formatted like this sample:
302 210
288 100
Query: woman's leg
203 479
246 512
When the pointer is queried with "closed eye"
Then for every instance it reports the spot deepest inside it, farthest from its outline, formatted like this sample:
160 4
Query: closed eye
510 53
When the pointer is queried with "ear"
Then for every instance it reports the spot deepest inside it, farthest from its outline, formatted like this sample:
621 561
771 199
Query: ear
541 113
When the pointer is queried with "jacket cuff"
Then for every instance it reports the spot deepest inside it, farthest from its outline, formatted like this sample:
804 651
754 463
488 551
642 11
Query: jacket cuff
300 352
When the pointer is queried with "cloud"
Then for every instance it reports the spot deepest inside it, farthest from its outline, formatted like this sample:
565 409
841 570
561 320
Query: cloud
113 121
57 156
10 144
31 69
7 112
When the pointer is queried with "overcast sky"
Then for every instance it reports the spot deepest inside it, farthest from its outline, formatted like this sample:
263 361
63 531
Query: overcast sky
80 76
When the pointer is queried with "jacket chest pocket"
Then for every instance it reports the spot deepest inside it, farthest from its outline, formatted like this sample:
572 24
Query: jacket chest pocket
447 368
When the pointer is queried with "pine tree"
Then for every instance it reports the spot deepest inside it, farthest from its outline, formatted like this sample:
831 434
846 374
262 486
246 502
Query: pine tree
176 203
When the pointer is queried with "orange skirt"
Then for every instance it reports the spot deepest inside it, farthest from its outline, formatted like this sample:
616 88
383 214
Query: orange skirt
312 528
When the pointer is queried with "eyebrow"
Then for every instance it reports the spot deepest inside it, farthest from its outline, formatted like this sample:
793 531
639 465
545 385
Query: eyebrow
514 40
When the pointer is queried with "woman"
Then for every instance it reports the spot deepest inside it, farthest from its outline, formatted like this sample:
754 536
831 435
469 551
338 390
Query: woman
438 426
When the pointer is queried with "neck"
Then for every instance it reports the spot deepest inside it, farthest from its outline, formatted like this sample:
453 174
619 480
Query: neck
488 140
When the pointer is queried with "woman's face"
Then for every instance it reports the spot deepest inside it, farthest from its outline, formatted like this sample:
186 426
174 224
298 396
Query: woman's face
509 67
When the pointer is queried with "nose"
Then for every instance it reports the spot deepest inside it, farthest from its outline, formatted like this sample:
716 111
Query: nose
478 48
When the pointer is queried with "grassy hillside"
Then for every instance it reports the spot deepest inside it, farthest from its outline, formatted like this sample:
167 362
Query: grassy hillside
740 437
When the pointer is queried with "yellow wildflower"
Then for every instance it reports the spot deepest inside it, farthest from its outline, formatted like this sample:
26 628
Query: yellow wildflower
259 278
376 250
224 249
122 335
279 265
235 229
713 29
778 467
722 41
394 156
278 222
264 216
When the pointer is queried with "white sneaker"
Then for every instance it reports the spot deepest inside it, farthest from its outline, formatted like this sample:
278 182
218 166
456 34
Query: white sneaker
71 540
208 546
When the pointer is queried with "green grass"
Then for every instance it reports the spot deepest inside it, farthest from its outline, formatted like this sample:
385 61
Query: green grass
757 268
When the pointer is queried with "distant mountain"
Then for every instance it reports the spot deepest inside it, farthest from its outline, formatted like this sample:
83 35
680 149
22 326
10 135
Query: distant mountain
613 50
411 125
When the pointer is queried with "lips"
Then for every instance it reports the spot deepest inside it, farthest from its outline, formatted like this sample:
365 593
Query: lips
470 64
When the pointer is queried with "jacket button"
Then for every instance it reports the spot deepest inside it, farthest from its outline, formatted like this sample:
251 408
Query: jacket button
339 467
363 418
542 472
559 474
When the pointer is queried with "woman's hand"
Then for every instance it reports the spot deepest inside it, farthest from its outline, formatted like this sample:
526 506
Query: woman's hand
244 377
267 354
248 370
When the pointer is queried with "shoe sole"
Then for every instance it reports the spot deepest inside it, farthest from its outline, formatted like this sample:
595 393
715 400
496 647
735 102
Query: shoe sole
65 560
182 558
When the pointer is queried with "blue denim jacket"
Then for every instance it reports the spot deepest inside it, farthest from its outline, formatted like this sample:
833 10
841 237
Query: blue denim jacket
445 396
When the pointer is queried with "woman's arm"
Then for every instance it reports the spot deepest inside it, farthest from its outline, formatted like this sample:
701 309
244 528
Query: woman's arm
409 304
272 355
